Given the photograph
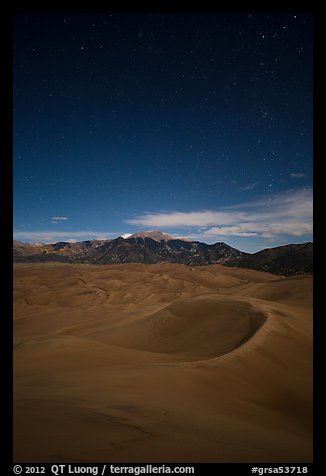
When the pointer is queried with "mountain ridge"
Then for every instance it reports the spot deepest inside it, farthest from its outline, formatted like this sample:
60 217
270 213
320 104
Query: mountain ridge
291 259
129 250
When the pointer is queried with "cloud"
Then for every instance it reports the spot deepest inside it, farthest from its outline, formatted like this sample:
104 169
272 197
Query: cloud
250 186
185 219
287 213
52 236
297 175
228 231
59 218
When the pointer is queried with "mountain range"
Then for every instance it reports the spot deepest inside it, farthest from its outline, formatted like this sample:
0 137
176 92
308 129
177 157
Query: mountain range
155 247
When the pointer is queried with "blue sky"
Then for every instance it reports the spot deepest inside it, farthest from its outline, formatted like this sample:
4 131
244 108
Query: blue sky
199 125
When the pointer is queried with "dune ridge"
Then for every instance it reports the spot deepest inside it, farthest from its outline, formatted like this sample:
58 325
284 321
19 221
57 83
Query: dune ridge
161 363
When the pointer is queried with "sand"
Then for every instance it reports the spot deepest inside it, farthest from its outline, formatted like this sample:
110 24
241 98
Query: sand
161 363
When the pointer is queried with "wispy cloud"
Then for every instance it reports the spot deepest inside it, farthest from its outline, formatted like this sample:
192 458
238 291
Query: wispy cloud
250 186
287 213
59 218
298 175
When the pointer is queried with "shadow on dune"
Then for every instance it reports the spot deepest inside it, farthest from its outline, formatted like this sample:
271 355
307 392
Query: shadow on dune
195 328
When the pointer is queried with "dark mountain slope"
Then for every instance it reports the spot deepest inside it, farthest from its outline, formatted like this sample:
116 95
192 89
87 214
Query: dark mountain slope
286 260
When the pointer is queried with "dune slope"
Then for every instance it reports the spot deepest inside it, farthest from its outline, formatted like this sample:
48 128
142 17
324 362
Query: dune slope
161 363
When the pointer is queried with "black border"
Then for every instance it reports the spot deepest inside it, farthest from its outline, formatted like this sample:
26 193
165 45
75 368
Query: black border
6 190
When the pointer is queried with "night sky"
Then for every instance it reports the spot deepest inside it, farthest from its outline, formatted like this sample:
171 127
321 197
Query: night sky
199 125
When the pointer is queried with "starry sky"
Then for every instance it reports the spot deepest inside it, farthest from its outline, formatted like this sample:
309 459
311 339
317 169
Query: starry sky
199 125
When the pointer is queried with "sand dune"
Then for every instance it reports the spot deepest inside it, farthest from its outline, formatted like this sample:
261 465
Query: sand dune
161 363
